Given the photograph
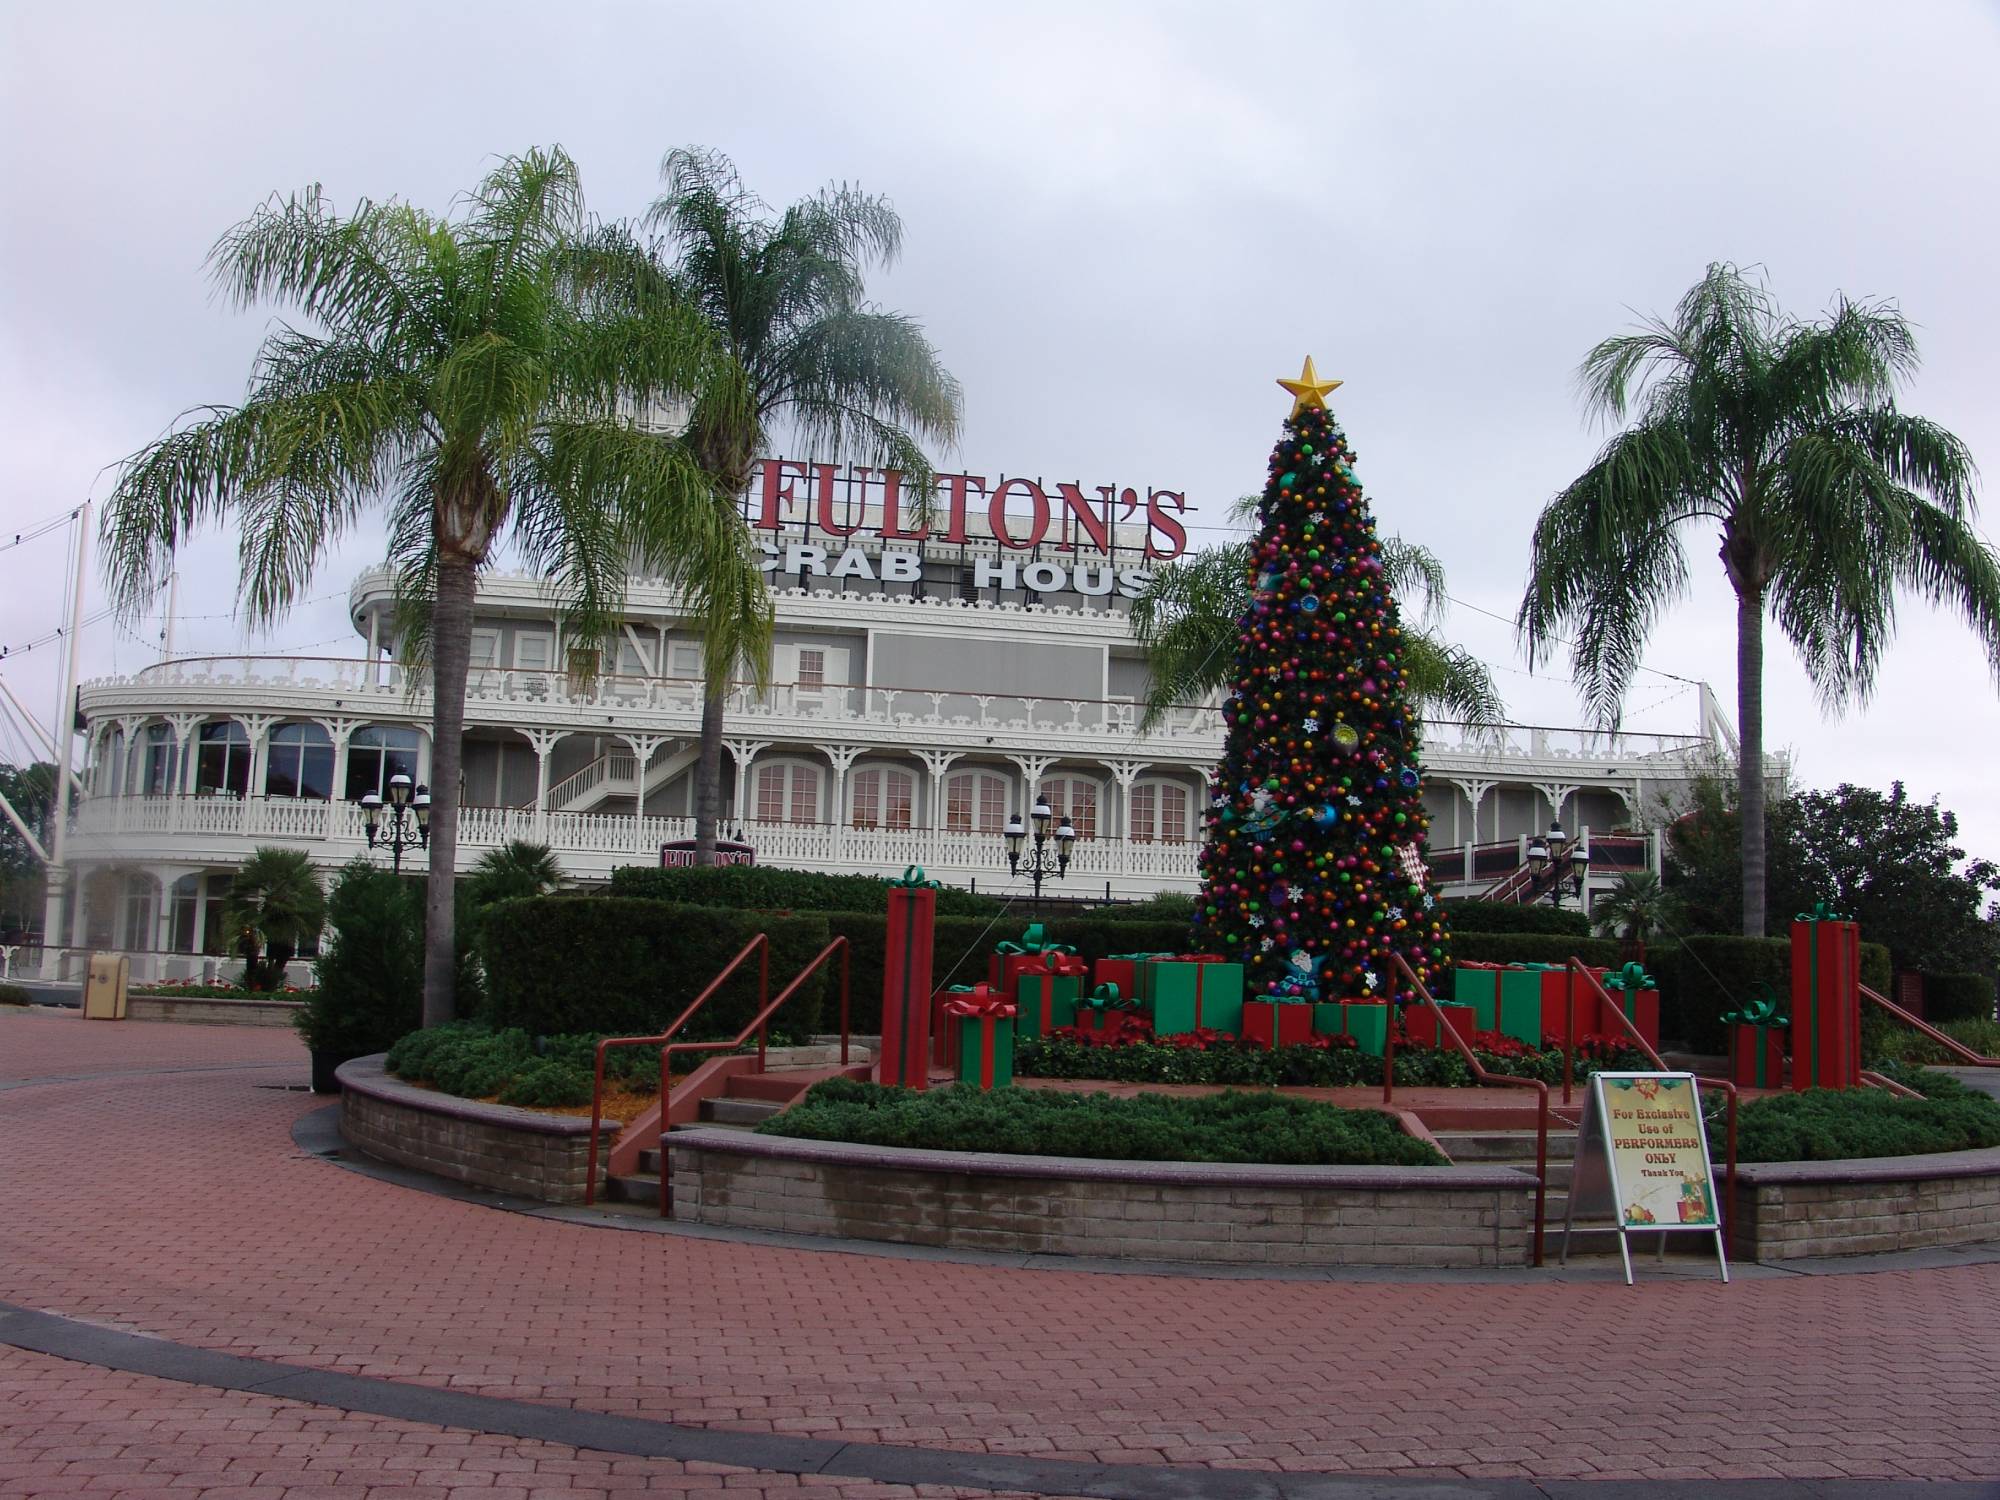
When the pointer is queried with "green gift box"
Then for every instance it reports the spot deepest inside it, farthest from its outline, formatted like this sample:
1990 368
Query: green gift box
1329 1018
1507 1000
1368 1023
1063 992
986 1051
1177 983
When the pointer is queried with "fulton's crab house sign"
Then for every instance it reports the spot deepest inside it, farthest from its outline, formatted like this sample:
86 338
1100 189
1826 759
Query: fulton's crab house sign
1019 514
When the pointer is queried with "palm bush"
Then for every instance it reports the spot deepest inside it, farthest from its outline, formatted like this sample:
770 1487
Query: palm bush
275 906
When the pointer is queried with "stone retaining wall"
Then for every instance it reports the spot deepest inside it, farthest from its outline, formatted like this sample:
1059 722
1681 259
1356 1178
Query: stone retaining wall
1791 1210
1183 1211
211 1010
489 1145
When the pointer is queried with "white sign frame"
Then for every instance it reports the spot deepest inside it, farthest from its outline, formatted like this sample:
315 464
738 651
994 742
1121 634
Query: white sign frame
1594 1178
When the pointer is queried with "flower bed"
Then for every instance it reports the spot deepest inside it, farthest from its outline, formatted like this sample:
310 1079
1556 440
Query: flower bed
1134 1055
194 989
1232 1127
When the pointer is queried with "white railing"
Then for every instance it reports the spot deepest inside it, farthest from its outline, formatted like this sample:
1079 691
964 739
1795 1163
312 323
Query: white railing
620 767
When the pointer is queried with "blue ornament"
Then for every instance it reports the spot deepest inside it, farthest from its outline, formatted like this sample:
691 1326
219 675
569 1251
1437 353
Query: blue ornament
1410 779
1310 603
1327 816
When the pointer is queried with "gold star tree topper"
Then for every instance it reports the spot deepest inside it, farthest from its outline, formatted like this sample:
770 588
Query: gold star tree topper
1308 389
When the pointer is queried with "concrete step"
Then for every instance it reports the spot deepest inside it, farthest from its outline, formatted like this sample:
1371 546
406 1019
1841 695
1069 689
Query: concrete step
732 1111
1491 1147
783 1088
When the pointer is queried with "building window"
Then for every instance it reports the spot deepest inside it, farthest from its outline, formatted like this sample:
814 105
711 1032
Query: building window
534 651
159 761
812 668
787 792
140 932
884 798
975 802
376 753
222 758
113 755
301 762
1075 796
684 660
1159 813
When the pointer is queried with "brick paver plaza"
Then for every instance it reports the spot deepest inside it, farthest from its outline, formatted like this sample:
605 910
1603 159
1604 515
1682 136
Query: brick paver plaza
149 1183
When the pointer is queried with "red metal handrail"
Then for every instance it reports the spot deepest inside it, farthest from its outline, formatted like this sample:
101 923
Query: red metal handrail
1613 1009
757 1023
760 944
1950 1044
1480 1073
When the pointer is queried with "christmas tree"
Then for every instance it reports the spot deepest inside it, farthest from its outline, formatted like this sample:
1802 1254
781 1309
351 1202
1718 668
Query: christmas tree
1313 874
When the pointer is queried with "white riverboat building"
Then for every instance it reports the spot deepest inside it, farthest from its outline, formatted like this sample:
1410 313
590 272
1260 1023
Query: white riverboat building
922 687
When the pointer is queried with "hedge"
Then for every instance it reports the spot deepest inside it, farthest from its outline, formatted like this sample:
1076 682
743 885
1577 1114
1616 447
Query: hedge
774 888
1531 948
1232 1127
1703 976
1957 997
1310 1064
627 966
1508 916
1837 1124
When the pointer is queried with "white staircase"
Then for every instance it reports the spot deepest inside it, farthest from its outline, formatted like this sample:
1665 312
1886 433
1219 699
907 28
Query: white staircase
616 774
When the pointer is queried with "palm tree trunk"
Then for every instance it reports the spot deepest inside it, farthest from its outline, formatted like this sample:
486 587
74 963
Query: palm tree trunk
451 656
708 773
1750 752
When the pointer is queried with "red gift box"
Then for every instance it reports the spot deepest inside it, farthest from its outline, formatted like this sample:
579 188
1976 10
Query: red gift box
1123 972
1556 986
1276 1024
944 1036
906 983
1109 1028
1745 1045
1642 1009
1420 1023
1826 1002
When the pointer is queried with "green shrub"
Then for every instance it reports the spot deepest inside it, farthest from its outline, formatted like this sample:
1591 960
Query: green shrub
1886 1041
1703 976
371 964
13 994
773 888
1957 997
1307 1065
1506 916
471 1059
1836 1124
548 1083
1531 948
627 966
1162 906
1231 1127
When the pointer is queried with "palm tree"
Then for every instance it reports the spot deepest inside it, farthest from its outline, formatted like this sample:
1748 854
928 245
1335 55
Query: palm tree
783 294
1785 437
1189 617
1634 908
517 868
472 379
275 905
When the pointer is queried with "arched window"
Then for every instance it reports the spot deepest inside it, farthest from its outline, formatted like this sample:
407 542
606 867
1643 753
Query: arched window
377 752
975 802
159 761
787 792
883 798
301 762
1159 813
222 758
111 752
1075 796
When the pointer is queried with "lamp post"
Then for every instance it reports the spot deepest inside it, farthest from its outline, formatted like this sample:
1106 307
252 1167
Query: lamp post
1549 848
1041 862
408 825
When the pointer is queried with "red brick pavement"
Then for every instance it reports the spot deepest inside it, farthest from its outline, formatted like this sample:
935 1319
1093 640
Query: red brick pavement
178 1206
67 1428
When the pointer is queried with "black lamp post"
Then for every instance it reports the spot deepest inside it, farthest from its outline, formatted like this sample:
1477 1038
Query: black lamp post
1041 862
1544 850
408 823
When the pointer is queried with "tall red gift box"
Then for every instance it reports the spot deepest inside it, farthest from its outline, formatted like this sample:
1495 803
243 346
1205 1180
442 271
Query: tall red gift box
1277 1023
906 982
1826 1001
1420 1023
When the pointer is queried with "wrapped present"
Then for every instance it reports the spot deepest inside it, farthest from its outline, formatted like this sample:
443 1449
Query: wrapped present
906 982
1565 993
1109 1016
1122 969
1193 992
1637 993
1047 991
1757 1041
1277 1023
944 1035
984 1022
1826 1000
1421 1022
1505 998
1011 958
1367 1021
1329 1018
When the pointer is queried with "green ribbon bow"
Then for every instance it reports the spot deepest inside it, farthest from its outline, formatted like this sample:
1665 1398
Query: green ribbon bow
1033 940
1632 978
1821 912
1759 1010
1134 958
913 879
1106 997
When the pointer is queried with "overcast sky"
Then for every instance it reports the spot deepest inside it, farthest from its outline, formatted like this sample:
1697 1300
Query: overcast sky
1123 221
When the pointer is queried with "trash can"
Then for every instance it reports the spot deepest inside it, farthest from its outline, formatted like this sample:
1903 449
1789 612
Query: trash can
105 985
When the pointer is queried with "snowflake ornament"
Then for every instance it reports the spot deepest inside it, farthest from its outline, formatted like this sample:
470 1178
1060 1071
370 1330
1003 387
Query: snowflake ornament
1368 979
1311 725
1256 920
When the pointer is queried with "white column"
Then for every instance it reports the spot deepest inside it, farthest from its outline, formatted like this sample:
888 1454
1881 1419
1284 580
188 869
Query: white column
643 746
937 762
339 731
843 757
742 752
1125 773
1032 767
544 742
169 876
